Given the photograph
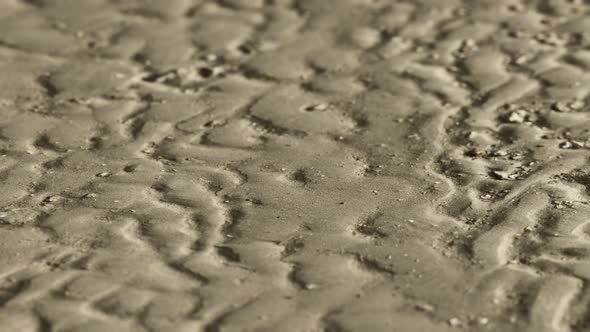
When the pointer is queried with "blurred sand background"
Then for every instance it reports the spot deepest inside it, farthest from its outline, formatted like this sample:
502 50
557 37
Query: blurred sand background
294 165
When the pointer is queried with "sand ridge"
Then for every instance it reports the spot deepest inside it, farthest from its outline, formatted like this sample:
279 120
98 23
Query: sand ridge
294 165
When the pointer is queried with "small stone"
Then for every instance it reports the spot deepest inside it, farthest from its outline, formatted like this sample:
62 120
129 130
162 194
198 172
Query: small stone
561 107
210 57
521 60
513 176
518 34
61 25
149 150
52 199
486 197
424 307
365 37
483 320
499 153
469 43
455 322
500 175
571 145
519 116
316 107
575 105
467 46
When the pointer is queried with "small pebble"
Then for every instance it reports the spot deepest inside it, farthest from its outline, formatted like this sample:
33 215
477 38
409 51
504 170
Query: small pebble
52 199
517 116
316 107
575 105
571 145
454 322
486 196
499 153
424 307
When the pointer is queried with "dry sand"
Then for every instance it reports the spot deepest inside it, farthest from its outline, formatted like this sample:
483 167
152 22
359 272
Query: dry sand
294 165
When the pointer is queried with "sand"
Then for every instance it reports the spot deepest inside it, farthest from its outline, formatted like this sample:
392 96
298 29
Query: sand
294 165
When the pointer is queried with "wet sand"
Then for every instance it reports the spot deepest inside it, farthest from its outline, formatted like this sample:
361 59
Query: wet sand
294 165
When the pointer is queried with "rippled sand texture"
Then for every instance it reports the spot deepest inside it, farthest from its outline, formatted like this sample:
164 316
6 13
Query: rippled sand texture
294 165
